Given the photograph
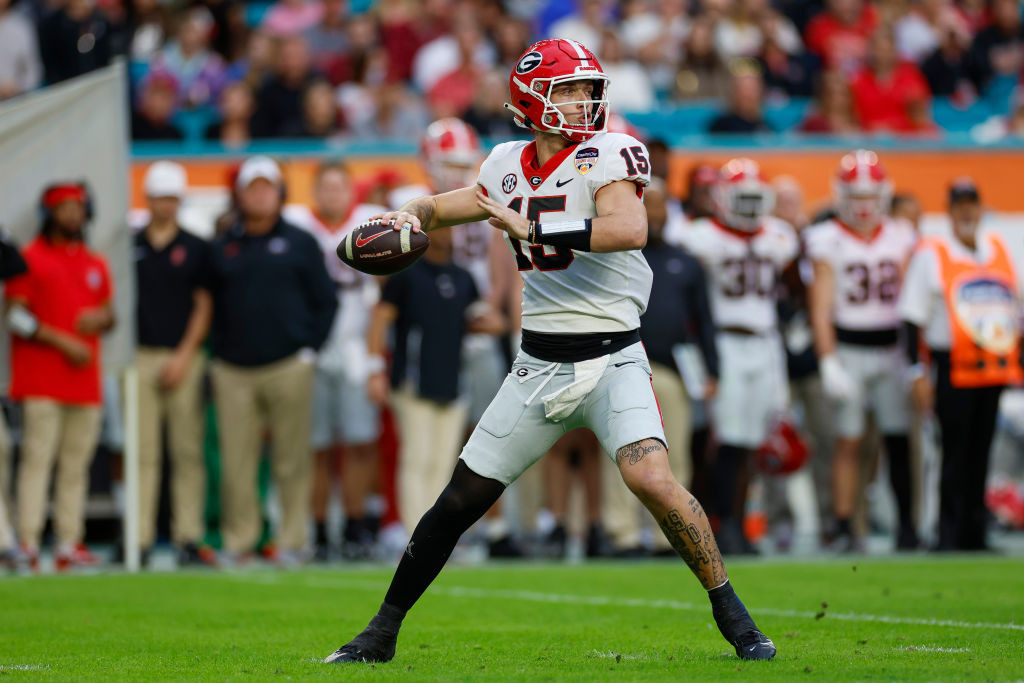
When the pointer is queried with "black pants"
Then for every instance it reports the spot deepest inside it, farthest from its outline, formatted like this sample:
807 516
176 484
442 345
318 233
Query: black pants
967 420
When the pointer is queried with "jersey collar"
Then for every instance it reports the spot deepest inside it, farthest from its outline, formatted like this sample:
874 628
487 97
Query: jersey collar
742 234
528 160
862 236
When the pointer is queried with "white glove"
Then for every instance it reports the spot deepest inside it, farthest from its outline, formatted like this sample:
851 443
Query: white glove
834 379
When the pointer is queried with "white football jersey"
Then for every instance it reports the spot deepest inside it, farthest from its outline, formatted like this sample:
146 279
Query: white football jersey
566 291
345 348
868 270
743 268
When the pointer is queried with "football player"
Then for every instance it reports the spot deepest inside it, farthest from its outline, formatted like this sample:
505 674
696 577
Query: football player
744 251
570 204
859 259
343 414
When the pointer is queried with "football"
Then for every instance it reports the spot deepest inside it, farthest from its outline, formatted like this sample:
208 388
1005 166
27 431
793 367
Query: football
378 249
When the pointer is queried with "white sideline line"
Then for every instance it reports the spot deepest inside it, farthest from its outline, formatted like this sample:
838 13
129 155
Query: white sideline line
23 667
930 648
600 600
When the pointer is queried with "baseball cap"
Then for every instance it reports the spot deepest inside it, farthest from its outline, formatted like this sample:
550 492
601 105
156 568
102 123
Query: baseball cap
165 179
258 167
963 189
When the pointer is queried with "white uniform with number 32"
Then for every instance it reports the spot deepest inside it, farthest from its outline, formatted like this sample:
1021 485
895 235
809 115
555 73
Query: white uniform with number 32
868 275
568 292
744 270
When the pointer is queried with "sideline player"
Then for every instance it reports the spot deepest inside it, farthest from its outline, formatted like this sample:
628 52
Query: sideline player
859 258
570 203
744 250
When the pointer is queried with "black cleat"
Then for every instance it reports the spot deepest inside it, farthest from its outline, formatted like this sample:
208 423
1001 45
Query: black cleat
377 641
754 645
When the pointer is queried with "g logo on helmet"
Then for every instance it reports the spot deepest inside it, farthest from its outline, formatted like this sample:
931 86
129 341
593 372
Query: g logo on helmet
529 62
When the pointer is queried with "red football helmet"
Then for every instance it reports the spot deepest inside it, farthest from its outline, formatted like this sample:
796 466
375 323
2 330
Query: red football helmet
784 452
543 66
862 190
451 151
742 195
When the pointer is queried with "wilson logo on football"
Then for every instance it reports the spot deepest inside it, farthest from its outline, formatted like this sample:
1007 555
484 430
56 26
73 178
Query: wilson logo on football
363 241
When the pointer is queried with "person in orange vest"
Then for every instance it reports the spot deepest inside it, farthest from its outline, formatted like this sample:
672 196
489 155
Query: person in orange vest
961 298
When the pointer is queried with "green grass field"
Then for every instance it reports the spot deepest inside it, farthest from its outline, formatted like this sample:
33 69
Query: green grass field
857 619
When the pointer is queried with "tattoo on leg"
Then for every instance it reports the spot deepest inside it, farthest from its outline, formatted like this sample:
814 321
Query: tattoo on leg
695 507
635 452
700 552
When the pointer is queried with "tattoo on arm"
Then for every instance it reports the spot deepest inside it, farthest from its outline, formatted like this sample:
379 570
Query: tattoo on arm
422 208
635 452
699 551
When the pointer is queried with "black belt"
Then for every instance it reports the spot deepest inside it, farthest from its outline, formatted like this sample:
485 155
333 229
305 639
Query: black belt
740 331
886 337
573 348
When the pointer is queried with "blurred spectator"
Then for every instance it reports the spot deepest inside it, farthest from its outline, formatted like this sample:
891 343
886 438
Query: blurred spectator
343 415
319 112
511 38
948 71
256 66
889 94
700 202
363 46
173 310
487 115
702 74
329 37
787 74
586 24
974 13
406 27
64 305
839 35
149 24
629 87
920 32
906 206
744 112
11 264
465 47
231 27
279 100
20 68
396 114
746 27
270 284
236 110
789 202
833 108
74 40
198 71
453 92
998 49
429 306
576 455
654 33
289 17
151 119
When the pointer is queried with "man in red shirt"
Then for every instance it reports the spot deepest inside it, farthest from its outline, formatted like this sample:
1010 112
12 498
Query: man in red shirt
890 94
57 312
840 33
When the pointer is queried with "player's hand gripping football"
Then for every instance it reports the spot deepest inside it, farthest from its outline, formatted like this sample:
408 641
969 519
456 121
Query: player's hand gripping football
397 219
504 218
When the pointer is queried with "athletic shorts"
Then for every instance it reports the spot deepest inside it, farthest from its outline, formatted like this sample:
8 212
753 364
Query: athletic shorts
482 372
879 378
514 433
342 412
753 392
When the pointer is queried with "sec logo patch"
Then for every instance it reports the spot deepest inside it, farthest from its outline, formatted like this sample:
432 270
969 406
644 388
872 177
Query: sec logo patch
508 183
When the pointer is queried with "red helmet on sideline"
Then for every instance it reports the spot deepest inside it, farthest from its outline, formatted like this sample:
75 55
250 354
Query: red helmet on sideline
742 195
862 190
784 452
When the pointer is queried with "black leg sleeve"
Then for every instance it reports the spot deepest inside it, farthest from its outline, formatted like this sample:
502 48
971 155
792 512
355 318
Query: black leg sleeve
466 498
897 448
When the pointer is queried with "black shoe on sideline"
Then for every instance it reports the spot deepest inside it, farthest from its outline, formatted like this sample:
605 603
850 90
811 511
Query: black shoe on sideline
504 548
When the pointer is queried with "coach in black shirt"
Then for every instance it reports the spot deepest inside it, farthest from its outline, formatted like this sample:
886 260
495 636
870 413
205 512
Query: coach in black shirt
431 305
677 313
274 305
173 315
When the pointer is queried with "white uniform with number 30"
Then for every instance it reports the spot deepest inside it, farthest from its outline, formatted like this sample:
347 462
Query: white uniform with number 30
568 292
868 271
744 269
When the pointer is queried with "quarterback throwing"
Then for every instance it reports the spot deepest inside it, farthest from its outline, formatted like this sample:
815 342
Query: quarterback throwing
570 205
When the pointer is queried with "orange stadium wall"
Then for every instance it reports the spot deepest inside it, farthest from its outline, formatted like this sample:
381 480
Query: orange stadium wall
924 174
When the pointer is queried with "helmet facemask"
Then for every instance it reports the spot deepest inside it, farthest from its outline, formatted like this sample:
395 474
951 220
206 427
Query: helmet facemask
595 111
743 206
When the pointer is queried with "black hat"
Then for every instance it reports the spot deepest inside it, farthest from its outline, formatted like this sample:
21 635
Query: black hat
963 189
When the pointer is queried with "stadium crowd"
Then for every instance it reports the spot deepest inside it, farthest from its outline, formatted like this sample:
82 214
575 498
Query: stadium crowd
231 71
263 340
